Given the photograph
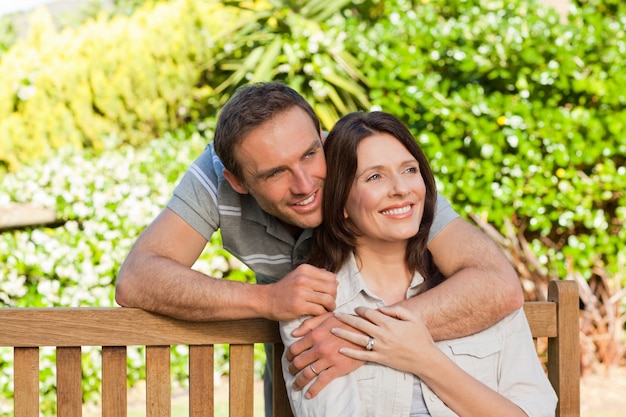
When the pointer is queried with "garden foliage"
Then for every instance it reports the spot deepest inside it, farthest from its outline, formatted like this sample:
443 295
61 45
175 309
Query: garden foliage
523 117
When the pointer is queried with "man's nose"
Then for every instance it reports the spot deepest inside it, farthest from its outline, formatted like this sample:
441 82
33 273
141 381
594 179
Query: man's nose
302 181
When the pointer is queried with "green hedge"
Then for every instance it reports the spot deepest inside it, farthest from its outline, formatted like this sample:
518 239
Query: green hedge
523 116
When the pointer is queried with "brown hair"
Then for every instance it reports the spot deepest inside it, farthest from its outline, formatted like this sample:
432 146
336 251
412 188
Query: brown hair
335 238
250 106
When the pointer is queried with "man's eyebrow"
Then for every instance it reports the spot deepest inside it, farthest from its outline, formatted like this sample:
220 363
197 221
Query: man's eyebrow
267 172
315 145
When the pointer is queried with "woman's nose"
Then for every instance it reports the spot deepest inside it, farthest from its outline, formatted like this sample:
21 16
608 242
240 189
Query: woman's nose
399 185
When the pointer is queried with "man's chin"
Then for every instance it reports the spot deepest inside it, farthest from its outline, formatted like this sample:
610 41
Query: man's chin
306 222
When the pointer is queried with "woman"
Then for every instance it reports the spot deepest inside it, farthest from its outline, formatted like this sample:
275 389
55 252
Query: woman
378 204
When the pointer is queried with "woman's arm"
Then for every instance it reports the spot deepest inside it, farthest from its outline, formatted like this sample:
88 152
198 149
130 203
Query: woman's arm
403 342
481 286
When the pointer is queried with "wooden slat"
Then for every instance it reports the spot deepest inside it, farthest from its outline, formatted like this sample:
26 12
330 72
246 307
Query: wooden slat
69 382
26 382
541 316
564 350
114 376
158 384
281 407
102 326
241 380
201 383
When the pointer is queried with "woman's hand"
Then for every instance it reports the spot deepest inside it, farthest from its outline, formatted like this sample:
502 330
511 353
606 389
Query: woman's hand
400 338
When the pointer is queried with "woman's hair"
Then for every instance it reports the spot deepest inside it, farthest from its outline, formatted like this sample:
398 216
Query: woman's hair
251 106
335 238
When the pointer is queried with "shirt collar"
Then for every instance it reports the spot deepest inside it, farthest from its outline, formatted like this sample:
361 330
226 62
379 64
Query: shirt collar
351 279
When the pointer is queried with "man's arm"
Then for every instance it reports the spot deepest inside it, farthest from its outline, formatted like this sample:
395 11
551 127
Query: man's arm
157 276
480 289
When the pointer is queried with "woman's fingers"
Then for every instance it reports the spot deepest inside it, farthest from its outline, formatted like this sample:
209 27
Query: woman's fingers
398 312
361 355
357 322
352 337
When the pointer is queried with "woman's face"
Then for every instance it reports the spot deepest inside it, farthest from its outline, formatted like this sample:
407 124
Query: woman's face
386 201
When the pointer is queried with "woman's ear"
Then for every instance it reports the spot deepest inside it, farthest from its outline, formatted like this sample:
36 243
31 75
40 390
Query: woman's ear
235 182
345 214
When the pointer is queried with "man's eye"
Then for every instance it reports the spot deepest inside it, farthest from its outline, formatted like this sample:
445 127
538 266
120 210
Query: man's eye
274 173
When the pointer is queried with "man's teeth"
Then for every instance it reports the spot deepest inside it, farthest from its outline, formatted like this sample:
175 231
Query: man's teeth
307 201
402 210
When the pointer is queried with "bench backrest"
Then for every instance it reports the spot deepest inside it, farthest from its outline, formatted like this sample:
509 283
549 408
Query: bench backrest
558 320
116 328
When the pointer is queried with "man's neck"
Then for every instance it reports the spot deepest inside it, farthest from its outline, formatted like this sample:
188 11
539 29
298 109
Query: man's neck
294 231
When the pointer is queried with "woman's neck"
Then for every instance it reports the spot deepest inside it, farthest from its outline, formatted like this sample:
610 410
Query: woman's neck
384 270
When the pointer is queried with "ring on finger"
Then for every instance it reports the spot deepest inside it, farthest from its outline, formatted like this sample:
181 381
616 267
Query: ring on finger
370 344
313 370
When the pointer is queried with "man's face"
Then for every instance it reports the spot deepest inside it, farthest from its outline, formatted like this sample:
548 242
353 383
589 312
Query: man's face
284 168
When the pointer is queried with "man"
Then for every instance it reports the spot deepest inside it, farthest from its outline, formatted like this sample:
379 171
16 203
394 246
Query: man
261 186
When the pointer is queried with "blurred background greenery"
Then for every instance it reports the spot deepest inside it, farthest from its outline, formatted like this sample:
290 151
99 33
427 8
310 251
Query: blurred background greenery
520 108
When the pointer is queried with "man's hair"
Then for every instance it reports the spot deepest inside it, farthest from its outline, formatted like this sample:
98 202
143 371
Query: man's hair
251 106
335 238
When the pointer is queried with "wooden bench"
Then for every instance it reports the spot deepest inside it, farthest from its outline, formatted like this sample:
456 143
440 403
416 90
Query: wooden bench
116 328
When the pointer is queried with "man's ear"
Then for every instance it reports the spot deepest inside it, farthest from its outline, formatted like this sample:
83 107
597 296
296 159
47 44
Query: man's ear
323 135
235 182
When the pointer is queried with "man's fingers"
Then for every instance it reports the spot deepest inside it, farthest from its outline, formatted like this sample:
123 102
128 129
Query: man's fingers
321 381
320 303
318 279
301 361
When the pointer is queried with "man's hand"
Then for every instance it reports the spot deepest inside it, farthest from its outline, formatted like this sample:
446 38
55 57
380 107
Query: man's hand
320 348
305 291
